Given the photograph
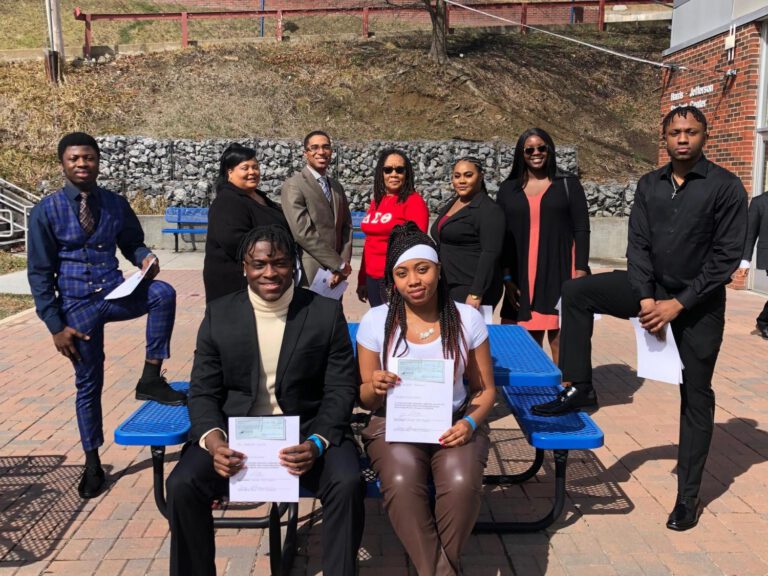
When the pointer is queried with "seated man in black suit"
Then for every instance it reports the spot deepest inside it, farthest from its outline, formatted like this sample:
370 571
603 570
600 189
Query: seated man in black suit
270 349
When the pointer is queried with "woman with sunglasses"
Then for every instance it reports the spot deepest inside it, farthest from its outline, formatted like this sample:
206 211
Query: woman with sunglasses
422 321
547 236
394 202
470 233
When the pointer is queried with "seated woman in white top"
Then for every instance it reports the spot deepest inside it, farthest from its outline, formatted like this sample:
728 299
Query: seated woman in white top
422 321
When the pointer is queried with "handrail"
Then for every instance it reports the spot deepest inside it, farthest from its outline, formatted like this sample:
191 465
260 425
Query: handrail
279 14
13 203
16 203
30 196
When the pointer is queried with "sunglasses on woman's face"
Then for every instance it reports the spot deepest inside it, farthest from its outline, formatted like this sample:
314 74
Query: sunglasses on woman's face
390 169
531 149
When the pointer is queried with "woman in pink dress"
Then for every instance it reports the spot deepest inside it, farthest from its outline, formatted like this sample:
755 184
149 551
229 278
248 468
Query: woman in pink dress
547 236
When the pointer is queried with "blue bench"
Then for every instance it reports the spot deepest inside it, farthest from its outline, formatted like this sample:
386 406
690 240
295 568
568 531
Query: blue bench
357 219
187 220
524 376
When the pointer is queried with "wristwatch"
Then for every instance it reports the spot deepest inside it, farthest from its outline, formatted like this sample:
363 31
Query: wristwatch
474 297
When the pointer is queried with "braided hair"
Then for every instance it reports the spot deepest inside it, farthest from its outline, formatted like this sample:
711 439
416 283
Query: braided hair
454 344
683 111
278 237
379 189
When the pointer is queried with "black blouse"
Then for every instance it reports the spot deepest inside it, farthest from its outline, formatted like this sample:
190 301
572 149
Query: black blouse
232 214
564 222
470 244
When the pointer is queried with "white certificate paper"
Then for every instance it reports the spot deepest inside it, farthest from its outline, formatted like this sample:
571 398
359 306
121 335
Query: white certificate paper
130 284
487 312
322 285
263 479
657 359
420 408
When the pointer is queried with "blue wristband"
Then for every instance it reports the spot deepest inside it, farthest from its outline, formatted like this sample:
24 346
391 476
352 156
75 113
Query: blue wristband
318 443
471 422
507 278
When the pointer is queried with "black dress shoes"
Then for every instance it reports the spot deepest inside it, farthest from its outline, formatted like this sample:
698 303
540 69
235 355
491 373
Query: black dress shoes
763 331
569 399
159 390
686 513
92 482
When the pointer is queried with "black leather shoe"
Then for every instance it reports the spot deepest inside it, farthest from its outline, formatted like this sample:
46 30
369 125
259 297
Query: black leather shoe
92 482
763 332
686 513
157 389
569 399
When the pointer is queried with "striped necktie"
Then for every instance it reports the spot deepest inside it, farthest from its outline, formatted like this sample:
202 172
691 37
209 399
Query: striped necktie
87 221
326 188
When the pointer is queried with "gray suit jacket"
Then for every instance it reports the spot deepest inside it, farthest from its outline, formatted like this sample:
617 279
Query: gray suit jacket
758 231
323 231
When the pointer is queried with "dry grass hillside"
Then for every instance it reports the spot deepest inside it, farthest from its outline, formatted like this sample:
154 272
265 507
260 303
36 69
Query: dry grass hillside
494 87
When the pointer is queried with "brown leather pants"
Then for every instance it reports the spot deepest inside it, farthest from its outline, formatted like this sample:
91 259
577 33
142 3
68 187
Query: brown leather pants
433 542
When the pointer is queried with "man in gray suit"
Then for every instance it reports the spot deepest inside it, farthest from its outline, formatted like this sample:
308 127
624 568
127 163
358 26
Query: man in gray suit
757 232
318 213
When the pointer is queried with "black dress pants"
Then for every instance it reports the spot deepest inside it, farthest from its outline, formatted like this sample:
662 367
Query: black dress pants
698 333
762 319
194 484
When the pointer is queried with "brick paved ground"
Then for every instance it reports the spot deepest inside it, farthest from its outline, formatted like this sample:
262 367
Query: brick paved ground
619 495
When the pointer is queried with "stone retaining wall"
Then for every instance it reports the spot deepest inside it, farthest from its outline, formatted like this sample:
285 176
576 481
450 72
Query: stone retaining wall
183 171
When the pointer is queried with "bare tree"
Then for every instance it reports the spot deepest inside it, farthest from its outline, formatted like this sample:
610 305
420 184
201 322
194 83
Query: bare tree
438 51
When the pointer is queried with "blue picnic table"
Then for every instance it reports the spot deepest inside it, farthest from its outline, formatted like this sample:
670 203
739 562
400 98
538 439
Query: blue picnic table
523 374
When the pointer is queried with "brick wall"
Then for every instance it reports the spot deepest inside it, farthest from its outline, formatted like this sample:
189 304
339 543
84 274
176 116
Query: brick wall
731 107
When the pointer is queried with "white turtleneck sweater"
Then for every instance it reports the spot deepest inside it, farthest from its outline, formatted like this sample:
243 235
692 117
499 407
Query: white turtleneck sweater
270 327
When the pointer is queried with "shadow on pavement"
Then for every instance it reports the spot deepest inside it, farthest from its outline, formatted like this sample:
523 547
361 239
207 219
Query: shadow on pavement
38 504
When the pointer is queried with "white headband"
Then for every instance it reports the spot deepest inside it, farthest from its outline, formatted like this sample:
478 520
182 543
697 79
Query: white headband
421 251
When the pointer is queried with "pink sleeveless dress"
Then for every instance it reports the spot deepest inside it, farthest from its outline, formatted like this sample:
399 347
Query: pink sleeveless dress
538 321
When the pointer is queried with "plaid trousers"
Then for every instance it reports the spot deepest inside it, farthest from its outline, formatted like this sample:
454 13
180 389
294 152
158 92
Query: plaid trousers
156 299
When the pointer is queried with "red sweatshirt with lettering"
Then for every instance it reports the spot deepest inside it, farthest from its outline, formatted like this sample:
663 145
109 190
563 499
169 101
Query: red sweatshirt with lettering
377 226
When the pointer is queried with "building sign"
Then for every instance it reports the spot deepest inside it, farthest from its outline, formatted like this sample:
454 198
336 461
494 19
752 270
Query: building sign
695 91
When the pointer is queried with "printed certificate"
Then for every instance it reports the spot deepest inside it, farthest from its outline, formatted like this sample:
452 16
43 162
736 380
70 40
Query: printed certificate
263 479
657 359
129 284
421 407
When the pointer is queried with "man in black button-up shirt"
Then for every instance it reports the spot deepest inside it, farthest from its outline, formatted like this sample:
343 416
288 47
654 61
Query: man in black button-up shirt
686 235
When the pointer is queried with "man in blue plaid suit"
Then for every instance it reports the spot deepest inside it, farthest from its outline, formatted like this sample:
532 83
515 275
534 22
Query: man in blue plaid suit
72 240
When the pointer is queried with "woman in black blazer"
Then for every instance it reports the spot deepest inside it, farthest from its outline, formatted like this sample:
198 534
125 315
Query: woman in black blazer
547 237
469 232
239 206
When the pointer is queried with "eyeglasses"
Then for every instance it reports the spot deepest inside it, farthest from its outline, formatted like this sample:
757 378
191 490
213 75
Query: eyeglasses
540 149
316 147
390 169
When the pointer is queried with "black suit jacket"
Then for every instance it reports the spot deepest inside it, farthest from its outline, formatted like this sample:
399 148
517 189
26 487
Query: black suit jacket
470 244
315 371
231 216
758 231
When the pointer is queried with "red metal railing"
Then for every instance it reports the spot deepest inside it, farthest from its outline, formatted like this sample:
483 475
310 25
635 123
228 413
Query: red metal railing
365 13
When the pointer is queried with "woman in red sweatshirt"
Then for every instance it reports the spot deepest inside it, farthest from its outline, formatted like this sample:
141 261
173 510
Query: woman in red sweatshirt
394 202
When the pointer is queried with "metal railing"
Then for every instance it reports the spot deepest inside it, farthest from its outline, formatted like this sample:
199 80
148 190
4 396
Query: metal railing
15 206
184 18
